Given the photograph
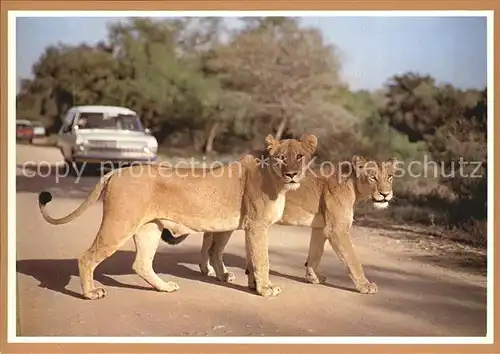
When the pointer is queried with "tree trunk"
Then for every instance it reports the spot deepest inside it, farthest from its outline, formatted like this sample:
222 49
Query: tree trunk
281 128
198 139
211 137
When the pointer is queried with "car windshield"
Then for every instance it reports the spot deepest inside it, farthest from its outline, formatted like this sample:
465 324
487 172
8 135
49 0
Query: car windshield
97 120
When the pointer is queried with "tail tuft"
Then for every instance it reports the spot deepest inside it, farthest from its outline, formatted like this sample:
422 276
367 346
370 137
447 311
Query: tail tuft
44 198
167 236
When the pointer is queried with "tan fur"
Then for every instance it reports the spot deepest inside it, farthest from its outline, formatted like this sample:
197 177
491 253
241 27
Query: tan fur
240 195
326 204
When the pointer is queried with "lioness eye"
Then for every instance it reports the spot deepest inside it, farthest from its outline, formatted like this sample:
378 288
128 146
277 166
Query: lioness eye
281 157
372 178
300 156
390 178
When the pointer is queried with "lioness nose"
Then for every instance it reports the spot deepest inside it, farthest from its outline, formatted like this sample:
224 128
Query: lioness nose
384 194
291 174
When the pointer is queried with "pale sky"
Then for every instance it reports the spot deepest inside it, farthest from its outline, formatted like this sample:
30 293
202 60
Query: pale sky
451 49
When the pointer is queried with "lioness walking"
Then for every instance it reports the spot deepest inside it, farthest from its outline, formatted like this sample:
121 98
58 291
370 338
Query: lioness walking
325 202
140 201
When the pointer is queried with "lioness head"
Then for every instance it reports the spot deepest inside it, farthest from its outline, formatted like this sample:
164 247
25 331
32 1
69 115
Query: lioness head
374 180
289 158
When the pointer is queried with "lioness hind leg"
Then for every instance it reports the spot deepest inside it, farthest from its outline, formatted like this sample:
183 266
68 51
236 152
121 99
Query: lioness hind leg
316 249
102 248
205 266
340 240
146 241
86 266
216 251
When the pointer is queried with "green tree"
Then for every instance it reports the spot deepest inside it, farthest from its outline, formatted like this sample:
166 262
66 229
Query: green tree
280 65
452 123
165 82
66 76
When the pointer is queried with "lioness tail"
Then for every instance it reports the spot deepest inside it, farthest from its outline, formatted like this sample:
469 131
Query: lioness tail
45 197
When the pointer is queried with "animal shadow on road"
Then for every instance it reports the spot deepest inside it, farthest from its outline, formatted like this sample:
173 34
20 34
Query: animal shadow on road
302 280
411 293
55 274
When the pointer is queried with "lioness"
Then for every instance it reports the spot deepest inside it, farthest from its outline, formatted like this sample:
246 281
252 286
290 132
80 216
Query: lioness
244 194
325 202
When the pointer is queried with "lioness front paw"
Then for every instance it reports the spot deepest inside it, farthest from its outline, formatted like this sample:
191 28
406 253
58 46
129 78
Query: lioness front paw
169 287
97 293
207 270
269 291
367 288
315 278
229 277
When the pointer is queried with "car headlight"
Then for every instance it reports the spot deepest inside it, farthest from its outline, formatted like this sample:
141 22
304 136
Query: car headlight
81 141
81 144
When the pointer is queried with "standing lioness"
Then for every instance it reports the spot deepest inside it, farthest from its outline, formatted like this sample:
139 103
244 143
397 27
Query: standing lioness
324 202
141 201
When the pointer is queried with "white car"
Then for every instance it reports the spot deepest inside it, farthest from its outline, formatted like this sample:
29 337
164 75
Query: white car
105 135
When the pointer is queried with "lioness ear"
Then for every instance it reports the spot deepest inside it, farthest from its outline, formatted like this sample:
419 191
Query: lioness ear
358 162
271 144
391 163
310 142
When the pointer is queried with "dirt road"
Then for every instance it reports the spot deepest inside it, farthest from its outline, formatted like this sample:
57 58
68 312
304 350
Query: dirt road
417 296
